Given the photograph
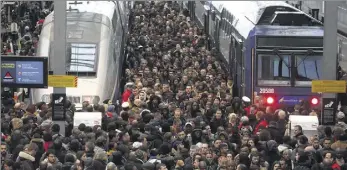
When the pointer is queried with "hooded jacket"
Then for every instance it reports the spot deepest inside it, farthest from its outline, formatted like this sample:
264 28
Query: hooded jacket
25 161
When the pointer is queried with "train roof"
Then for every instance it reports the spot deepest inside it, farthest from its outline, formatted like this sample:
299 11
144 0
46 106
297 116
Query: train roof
252 10
87 11
106 8
289 31
84 10
247 14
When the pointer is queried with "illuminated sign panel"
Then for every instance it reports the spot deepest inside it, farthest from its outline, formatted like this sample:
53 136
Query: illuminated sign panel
24 72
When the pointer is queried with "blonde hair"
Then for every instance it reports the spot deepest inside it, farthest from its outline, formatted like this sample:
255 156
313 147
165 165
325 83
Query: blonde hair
232 115
313 113
281 114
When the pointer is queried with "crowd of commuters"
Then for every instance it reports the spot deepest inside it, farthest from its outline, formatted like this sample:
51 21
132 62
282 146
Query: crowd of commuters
21 24
177 113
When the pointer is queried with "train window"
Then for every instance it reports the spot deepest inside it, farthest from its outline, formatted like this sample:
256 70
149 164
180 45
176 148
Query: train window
272 67
114 20
308 67
224 25
46 98
81 57
74 99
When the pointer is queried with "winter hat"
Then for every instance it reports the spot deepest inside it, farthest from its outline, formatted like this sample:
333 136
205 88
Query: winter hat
46 124
70 158
137 145
111 108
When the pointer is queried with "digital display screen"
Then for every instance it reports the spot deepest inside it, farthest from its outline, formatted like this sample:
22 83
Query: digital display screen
24 72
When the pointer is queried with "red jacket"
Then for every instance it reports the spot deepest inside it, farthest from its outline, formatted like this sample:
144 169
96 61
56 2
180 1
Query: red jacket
46 145
126 95
336 166
41 21
248 110
263 123
109 114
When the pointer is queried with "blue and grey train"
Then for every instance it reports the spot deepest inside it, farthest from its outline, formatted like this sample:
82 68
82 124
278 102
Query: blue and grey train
273 50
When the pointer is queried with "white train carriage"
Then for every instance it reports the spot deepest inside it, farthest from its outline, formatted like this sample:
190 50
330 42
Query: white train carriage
95 36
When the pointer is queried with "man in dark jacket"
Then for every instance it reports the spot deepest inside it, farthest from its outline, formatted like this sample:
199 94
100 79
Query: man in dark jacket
141 158
274 132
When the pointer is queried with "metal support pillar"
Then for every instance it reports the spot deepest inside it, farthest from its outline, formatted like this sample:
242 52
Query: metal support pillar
329 68
59 49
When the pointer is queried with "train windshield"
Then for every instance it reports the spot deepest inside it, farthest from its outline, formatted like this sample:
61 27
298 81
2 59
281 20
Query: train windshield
81 57
308 68
274 69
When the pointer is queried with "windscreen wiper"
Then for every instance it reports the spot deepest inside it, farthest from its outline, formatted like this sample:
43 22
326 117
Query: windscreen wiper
309 51
278 55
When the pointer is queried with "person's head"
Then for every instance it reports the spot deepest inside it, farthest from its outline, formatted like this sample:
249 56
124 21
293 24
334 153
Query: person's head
297 107
276 165
327 143
8 164
217 143
50 154
241 167
55 128
281 115
297 130
3 148
31 149
223 148
255 159
177 113
286 154
111 166
124 136
328 157
129 166
161 167
259 115
31 109
89 146
328 131
202 165
218 114
315 143
269 110
232 118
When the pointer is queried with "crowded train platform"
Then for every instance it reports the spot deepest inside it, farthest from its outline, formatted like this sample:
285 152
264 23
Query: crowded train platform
20 26
176 112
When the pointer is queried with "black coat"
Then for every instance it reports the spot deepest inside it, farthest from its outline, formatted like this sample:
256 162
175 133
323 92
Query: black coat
275 134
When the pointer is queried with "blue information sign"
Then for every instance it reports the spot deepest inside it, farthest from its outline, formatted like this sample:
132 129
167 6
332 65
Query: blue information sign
24 72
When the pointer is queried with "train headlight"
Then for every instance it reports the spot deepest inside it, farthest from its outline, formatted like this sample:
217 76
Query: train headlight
270 100
314 101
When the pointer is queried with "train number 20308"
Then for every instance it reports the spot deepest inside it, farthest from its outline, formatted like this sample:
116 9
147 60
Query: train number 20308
267 90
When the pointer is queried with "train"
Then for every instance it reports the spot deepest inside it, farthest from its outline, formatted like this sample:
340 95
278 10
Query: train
96 33
272 50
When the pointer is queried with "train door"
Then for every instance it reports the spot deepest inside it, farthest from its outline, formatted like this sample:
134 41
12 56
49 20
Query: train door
191 8
206 20
342 53
238 73
233 67
216 20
